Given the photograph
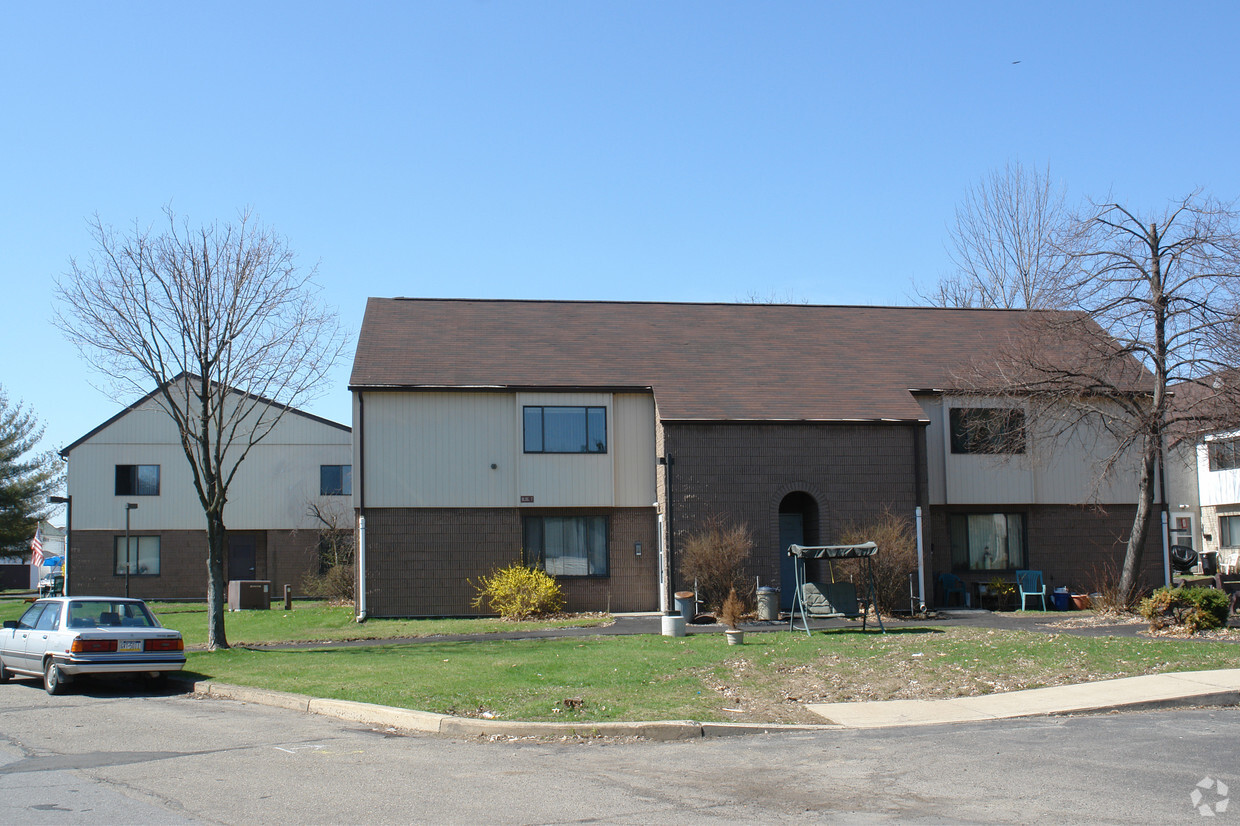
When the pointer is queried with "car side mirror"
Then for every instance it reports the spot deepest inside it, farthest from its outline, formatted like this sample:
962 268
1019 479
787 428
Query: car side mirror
10 623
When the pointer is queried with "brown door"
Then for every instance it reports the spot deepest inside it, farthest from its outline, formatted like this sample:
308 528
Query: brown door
241 555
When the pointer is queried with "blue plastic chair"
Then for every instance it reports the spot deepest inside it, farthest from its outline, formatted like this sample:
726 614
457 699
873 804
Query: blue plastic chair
952 584
1030 584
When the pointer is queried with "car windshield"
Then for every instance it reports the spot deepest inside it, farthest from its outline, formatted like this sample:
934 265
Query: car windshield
105 614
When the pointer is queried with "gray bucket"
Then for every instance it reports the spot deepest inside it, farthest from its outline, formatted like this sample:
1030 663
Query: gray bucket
686 605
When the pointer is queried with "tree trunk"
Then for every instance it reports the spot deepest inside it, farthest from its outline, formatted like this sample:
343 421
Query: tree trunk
216 586
1140 522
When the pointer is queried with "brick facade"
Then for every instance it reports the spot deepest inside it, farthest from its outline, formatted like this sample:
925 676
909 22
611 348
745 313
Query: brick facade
283 557
742 472
419 561
1072 545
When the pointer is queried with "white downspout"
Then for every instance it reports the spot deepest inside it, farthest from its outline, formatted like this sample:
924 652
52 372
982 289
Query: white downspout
663 606
1166 537
921 564
361 569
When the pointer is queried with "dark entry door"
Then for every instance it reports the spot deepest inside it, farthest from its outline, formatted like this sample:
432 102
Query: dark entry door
241 556
791 532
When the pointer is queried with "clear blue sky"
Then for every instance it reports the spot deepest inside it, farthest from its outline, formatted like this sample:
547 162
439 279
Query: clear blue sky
679 151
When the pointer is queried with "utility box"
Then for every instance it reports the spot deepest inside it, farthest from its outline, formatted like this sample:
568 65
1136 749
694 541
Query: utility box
249 594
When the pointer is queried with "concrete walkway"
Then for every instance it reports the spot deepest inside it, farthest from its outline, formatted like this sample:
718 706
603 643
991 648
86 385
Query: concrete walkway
1185 688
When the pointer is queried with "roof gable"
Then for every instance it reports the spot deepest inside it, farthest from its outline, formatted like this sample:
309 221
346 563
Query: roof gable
141 402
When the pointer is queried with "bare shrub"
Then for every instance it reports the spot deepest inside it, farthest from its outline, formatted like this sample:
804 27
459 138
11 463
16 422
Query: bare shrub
896 538
716 556
337 584
335 577
733 609
1106 596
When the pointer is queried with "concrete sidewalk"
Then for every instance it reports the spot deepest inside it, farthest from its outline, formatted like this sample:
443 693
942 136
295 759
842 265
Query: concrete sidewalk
1182 689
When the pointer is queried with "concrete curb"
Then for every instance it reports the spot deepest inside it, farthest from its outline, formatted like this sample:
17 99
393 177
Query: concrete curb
445 724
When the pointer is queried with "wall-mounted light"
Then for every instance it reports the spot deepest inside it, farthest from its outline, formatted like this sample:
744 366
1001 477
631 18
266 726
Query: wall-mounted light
637 549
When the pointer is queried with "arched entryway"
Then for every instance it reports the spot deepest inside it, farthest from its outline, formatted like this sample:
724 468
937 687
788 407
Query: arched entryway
798 524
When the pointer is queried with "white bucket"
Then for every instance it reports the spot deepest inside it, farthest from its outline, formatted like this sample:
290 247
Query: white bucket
673 625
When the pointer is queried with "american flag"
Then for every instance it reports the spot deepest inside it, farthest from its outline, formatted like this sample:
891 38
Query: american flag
36 547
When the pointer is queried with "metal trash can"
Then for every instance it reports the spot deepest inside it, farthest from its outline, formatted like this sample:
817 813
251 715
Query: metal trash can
768 603
686 605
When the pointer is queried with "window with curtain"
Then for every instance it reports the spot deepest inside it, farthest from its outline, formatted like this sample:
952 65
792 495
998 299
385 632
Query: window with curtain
987 541
567 545
143 556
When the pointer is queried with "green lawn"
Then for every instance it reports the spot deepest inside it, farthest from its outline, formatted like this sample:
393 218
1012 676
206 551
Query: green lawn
316 622
769 679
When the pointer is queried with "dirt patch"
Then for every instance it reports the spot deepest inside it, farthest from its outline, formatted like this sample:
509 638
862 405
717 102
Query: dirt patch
1095 621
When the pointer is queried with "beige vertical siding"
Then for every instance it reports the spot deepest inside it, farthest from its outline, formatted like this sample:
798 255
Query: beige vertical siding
436 449
1052 471
634 449
270 491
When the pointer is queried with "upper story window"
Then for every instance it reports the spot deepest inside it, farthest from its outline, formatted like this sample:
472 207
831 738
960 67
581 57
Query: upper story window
565 429
137 480
1229 531
335 480
987 430
1224 455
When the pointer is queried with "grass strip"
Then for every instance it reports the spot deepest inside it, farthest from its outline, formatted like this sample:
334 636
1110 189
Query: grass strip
769 679
320 622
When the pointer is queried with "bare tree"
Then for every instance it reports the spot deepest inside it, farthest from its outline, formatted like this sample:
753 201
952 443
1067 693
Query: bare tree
1005 245
227 327
1156 308
335 576
772 297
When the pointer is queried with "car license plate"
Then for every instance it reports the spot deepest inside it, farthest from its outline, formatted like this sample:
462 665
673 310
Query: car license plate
129 645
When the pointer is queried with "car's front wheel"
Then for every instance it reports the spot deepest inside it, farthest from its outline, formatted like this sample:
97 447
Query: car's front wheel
5 675
54 679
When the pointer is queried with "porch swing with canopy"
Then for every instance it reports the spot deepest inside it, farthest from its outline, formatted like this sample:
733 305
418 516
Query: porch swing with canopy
832 599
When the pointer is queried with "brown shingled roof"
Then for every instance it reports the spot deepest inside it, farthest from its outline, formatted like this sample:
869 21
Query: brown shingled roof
708 362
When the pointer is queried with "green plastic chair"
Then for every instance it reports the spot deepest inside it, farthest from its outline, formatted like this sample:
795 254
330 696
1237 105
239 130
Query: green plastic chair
1030 584
950 585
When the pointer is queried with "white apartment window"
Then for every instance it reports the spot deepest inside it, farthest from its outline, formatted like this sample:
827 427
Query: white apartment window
567 545
562 429
137 480
143 556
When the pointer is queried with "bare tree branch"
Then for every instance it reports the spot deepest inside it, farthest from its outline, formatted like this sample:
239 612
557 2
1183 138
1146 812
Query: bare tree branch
1005 244
1157 311
224 324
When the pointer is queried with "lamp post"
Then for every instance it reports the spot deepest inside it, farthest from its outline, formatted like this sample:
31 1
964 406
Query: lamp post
129 506
67 501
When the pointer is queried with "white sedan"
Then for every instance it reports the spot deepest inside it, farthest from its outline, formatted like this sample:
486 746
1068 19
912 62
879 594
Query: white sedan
59 638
